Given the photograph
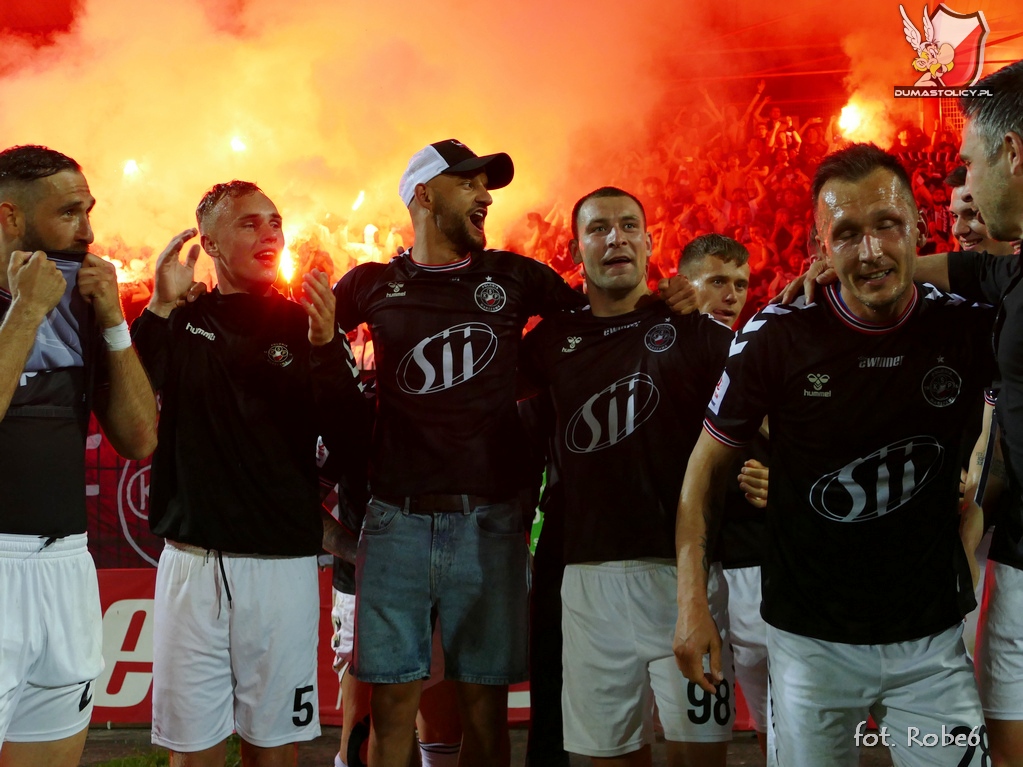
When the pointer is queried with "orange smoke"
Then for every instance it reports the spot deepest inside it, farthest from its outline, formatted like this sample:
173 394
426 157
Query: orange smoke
322 102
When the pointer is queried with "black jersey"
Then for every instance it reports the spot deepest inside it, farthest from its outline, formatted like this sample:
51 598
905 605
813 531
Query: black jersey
446 343
243 399
42 435
629 394
996 279
743 532
867 425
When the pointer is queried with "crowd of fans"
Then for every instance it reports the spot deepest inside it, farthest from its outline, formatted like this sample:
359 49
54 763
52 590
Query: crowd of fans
711 169
746 175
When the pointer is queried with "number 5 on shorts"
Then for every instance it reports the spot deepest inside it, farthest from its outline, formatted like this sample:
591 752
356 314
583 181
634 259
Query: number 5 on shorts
303 708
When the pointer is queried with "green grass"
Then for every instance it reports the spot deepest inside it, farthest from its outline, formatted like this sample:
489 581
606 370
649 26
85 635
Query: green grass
160 759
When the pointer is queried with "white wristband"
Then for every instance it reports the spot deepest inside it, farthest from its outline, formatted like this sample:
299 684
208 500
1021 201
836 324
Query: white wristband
118 338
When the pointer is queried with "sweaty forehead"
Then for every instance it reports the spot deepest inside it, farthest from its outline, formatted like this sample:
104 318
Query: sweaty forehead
63 188
843 200
246 205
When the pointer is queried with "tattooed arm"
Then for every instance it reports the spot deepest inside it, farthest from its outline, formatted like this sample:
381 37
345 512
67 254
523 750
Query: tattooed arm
696 523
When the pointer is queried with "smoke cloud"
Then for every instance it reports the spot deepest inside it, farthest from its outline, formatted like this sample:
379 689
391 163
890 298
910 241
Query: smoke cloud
317 100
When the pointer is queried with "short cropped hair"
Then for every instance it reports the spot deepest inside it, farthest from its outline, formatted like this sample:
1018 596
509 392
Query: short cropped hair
21 165
856 162
1000 113
725 248
957 177
604 191
217 193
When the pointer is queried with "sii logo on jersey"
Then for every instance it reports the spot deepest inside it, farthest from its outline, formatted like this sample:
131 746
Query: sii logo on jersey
447 358
611 415
880 483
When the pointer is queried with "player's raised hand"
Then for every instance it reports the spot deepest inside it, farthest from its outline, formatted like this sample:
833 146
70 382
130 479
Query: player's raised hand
173 279
753 482
97 282
35 282
678 294
696 634
318 301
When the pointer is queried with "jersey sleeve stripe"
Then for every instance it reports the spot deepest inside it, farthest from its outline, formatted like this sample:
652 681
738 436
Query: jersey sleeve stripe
720 436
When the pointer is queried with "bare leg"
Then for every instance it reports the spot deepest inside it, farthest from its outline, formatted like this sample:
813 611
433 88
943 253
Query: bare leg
1006 738
52 753
641 758
682 754
278 756
209 757
355 707
392 731
484 712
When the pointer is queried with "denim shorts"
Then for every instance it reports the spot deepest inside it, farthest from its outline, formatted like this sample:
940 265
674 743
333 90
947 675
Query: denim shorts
468 570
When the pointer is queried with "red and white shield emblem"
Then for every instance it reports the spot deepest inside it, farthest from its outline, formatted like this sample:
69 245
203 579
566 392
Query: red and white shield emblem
966 33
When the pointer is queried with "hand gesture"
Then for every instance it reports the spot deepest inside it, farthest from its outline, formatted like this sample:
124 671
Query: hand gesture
35 281
318 302
678 294
753 482
693 639
173 280
97 282
819 273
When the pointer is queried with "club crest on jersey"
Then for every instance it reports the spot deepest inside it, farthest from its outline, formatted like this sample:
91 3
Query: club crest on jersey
941 386
612 414
573 342
490 297
395 290
818 381
279 355
880 483
447 358
660 337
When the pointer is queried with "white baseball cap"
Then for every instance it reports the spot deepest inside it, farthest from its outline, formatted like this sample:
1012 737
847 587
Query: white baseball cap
451 156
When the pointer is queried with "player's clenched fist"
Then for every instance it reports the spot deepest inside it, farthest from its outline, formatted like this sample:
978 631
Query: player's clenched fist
36 282
97 282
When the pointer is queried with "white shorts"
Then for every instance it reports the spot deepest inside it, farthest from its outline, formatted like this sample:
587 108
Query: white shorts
822 692
235 656
618 620
342 618
51 640
1000 644
748 633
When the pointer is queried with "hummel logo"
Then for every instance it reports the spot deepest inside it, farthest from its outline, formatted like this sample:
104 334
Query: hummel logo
200 332
572 342
86 697
818 380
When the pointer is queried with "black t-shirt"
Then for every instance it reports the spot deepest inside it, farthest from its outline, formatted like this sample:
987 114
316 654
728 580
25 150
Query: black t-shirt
446 343
244 397
42 435
629 394
996 279
867 425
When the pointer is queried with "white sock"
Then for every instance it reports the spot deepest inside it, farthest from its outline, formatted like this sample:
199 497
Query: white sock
439 754
338 761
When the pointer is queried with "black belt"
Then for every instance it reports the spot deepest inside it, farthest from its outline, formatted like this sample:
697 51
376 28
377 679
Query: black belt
435 503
